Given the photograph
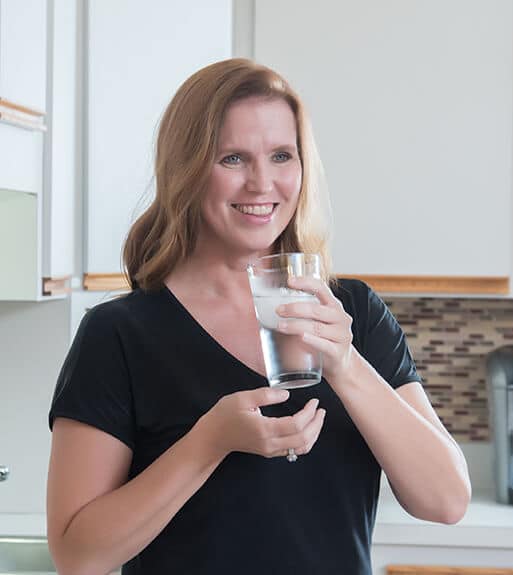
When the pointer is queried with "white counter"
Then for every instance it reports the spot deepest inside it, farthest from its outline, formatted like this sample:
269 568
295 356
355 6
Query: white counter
23 524
487 524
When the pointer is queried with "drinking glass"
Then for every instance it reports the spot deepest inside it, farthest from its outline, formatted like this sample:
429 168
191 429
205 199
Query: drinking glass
289 362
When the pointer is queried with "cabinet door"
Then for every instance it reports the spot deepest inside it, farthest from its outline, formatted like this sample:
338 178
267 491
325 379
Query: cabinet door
23 52
31 353
138 55
411 106
61 146
19 247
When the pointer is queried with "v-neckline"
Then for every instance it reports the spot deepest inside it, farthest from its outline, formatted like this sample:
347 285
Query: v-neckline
210 337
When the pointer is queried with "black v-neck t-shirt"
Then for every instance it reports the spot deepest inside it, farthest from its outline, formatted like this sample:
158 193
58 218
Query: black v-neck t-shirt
142 369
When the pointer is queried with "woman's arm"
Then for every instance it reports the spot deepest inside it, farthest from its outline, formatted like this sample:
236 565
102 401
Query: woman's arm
98 521
424 465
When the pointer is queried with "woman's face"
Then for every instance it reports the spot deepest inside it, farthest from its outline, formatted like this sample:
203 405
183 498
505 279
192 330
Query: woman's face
254 184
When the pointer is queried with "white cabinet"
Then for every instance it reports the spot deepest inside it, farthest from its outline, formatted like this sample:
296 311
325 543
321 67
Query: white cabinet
33 341
37 163
411 103
138 55
21 183
23 35
23 52
19 246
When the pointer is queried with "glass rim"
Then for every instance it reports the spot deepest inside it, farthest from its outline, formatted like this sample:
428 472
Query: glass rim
282 254
307 258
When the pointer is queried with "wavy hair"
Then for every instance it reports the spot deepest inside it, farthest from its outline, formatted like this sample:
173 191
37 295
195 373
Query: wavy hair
165 234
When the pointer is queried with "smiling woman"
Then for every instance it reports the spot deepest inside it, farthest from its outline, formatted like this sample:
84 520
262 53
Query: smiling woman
199 465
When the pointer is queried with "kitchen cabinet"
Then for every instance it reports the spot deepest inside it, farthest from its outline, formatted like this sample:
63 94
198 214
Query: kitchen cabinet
19 250
38 149
411 104
23 37
21 184
34 338
138 54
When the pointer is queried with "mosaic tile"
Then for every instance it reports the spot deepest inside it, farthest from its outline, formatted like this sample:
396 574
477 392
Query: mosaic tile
450 340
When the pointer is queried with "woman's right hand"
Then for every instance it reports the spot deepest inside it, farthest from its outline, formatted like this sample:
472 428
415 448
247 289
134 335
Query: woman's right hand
235 423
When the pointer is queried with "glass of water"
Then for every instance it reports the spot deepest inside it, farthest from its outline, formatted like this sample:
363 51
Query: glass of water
289 362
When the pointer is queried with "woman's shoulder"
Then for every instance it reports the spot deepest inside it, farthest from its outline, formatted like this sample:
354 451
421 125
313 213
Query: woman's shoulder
362 303
126 307
351 291
112 306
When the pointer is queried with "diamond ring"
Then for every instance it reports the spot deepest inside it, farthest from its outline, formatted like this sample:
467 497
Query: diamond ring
291 455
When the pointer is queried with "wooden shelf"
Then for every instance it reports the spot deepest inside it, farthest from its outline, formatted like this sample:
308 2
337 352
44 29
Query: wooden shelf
105 282
445 570
20 108
21 116
382 284
436 284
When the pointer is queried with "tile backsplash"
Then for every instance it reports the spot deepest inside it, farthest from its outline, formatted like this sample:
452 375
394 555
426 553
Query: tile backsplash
449 340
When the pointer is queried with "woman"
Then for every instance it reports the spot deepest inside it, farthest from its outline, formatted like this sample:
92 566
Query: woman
169 447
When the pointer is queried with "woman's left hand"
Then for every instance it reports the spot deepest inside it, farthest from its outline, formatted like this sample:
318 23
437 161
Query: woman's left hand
325 326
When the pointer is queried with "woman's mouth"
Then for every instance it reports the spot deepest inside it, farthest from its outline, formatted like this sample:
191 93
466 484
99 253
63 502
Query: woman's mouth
255 209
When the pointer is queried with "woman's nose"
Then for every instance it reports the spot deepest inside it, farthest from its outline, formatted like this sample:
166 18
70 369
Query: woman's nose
260 178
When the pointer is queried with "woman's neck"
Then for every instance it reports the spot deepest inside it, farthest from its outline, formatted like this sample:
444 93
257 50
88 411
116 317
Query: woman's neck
211 278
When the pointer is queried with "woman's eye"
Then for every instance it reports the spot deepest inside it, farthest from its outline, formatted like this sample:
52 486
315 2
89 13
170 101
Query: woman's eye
282 156
231 160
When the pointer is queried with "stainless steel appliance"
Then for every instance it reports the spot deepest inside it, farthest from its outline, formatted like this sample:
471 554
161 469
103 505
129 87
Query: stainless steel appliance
499 365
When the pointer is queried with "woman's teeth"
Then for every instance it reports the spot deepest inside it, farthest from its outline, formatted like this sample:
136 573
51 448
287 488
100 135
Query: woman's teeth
260 210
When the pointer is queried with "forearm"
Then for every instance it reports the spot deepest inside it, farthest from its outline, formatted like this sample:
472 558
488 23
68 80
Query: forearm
424 465
116 526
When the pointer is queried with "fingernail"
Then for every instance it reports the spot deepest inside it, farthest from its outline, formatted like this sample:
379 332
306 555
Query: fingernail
282 325
280 309
283 394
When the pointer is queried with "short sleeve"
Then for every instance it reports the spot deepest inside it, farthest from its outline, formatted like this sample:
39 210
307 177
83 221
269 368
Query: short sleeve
93 386
385 346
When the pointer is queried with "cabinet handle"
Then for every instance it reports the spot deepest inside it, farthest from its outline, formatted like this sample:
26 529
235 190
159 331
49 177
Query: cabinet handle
4 473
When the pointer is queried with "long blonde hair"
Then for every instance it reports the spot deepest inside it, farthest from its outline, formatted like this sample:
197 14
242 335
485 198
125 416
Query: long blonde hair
165 234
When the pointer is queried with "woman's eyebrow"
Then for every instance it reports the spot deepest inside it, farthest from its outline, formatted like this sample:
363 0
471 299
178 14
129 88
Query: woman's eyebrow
228 148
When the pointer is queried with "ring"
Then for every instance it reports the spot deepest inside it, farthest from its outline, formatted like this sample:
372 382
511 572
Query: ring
291 455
